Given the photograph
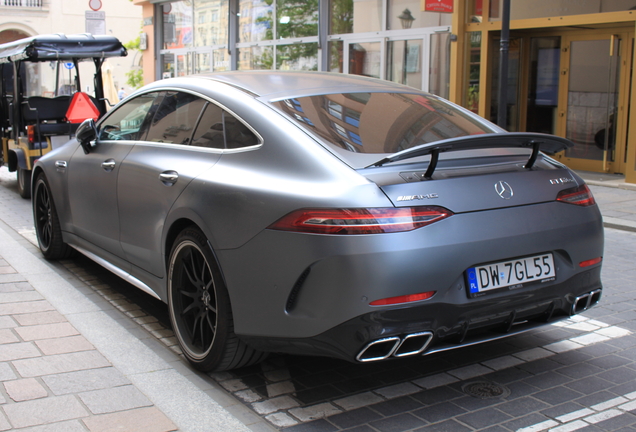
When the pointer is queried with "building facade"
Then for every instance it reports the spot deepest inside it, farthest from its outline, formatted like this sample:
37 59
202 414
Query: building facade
570 74
360 37
570 62
122 19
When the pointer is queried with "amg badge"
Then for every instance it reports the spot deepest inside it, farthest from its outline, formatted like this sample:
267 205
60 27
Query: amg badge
417 197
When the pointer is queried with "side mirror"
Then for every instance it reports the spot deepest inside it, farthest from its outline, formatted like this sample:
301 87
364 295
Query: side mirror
86 132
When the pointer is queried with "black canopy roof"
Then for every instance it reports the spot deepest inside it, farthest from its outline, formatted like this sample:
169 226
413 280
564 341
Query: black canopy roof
61 47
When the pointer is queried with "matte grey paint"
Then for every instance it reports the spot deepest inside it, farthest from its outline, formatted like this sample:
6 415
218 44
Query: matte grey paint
124 215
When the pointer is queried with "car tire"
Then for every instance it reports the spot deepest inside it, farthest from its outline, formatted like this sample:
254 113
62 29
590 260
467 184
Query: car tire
47 224
200 308
24 183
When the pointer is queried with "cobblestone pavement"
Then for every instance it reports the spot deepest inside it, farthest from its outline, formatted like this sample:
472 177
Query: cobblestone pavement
579 374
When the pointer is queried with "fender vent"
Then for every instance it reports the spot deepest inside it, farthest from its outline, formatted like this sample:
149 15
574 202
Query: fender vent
293 295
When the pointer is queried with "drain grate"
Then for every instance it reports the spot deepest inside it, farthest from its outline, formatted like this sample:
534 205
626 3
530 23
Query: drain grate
485 390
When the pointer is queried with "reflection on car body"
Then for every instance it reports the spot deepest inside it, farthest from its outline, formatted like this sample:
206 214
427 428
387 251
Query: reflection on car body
322 214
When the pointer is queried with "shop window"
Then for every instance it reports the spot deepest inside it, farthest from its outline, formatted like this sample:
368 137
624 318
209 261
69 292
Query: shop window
209 29
474 59
178 25
296 18
300 56
355 16
255 58
255 20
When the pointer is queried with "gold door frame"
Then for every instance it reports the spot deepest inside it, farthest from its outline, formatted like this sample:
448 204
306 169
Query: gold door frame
623 86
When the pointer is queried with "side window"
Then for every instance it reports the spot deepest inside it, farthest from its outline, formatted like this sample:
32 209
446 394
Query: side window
126 122
220 129
175 118
209 132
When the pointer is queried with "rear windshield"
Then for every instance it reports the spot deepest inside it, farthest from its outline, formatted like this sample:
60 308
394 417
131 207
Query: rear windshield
381 122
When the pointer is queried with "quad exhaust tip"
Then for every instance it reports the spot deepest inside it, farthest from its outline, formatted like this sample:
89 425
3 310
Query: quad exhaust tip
586 301
382 349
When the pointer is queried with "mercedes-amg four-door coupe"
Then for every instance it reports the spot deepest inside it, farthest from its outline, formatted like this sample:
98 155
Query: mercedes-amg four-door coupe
322 214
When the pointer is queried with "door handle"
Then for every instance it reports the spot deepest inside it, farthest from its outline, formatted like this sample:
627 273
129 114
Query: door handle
109 164
168 178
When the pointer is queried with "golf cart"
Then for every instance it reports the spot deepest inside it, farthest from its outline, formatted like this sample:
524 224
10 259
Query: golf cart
41 97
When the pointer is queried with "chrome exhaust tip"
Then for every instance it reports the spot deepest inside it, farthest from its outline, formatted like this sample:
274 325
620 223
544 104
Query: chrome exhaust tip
382 349
586 301
414 344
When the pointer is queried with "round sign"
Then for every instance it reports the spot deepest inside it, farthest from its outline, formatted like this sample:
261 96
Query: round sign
69 65
95 4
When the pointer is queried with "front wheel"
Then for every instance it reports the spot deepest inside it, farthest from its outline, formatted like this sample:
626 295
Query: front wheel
24 183
200 309
47 224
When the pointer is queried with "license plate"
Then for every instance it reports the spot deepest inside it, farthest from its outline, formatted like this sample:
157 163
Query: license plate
510 274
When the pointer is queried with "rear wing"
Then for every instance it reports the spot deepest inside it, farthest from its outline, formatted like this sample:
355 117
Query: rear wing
535 141
61 47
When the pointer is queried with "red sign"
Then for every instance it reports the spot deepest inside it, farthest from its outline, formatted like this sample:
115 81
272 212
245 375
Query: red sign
438 6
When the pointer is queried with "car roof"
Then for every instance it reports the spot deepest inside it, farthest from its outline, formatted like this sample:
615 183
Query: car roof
281 84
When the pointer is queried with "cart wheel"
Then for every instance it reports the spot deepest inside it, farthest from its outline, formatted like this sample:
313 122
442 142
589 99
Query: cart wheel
24 183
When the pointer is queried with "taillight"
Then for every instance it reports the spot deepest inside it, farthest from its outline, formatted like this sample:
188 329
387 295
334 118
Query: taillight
31 133
403 299
580 195
590 262
360 221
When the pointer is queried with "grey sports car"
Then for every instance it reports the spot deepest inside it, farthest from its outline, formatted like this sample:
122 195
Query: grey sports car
322 214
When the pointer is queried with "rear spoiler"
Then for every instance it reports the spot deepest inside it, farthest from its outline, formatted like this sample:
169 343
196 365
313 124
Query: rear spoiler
535 141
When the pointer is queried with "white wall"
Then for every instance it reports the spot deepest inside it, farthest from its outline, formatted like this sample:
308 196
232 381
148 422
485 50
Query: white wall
123 20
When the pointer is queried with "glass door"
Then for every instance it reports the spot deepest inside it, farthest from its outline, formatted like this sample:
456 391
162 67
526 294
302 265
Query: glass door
404 62
365 58
590 108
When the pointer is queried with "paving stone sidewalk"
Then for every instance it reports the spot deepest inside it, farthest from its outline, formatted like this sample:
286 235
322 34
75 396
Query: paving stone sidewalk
52 375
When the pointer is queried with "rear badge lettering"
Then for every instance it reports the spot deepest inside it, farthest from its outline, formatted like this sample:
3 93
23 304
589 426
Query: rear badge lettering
561 180
417 197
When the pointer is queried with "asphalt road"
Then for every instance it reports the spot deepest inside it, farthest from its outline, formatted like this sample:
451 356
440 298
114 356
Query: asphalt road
577 375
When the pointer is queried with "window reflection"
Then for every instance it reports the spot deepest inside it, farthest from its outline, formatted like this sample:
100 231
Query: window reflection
380 122
255 58
219 129
178 25
296 18
364 59
211 21
125 123
255 20
355 16
175 118
302 56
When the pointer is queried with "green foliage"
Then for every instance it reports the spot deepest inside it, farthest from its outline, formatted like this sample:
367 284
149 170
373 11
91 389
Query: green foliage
135 76
341 17
300 20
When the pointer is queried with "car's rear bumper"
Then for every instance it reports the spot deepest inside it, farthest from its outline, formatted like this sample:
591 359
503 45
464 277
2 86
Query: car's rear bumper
308 290
434 327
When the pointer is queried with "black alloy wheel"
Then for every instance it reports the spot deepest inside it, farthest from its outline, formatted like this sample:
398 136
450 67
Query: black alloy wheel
200 309
47 224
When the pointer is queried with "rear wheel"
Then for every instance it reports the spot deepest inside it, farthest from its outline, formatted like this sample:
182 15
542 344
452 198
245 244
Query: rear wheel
47 224
24 183
200 309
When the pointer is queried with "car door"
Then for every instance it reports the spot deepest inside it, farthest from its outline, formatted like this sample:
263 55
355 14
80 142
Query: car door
155 173
93 177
